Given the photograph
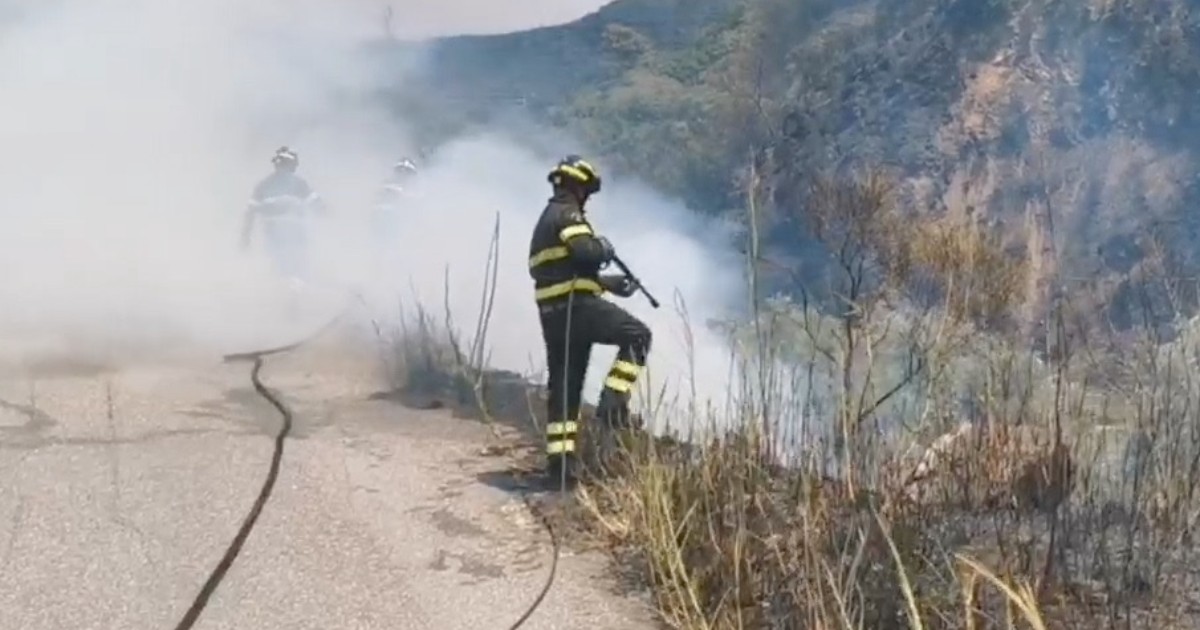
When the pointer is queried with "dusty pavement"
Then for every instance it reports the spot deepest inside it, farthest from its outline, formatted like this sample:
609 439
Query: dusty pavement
120 491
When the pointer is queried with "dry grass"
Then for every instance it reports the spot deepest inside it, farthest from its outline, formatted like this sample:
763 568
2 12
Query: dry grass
996 525
729 541
418 355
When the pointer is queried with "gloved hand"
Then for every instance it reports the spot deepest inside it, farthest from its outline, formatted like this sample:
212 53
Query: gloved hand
619 285
607 249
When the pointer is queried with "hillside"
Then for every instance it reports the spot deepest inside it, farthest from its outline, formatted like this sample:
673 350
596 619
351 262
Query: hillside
1070 128
1044 152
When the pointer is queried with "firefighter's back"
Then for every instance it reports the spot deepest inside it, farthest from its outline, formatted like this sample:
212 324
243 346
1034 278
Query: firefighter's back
281 194
544 236
550 264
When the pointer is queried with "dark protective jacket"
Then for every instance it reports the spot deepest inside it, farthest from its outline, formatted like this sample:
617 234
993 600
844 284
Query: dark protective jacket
281 202
282 195
564 255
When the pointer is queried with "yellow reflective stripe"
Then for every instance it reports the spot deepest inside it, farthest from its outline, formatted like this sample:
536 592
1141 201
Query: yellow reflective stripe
560 446
571 231
558 252
577 173
562 428
563 288
617 384
627 368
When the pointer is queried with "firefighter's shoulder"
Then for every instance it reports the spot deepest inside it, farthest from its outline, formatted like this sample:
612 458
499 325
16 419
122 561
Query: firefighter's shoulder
563 215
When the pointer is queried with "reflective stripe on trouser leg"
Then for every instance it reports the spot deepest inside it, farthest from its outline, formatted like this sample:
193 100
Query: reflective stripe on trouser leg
568 361
560 437
613 407
622 376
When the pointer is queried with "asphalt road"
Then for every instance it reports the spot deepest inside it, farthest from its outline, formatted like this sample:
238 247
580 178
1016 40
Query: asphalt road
120 491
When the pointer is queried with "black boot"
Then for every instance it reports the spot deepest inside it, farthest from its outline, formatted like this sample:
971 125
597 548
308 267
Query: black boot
562 471
612 411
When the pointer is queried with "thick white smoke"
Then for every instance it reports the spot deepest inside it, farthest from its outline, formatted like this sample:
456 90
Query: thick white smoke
133 131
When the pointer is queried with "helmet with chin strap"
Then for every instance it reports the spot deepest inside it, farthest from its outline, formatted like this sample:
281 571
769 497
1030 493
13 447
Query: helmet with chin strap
574 173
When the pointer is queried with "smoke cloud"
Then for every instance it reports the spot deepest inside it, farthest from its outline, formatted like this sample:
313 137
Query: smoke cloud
134 130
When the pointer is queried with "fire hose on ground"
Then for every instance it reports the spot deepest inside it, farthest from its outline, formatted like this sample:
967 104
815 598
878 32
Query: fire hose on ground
202 598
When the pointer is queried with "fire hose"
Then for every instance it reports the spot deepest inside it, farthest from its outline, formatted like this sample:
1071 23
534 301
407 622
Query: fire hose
233 550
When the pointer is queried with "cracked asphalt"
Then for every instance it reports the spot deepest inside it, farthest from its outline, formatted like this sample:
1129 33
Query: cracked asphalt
119 491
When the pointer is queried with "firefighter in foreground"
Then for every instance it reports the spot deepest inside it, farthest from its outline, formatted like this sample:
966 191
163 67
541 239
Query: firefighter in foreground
283 202
566 257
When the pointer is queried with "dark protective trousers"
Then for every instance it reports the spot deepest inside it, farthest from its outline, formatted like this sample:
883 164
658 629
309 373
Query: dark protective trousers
286 241
592 320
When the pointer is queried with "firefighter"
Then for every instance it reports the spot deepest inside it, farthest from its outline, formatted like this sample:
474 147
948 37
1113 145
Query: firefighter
566 257
396 196
282 202
398 188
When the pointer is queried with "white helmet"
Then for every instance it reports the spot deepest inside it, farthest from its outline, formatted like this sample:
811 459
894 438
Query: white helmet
404 166
285 157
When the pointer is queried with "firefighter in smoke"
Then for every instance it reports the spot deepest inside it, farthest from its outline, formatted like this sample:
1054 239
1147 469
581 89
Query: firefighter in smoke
394 198
566 257
283 203
398 188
